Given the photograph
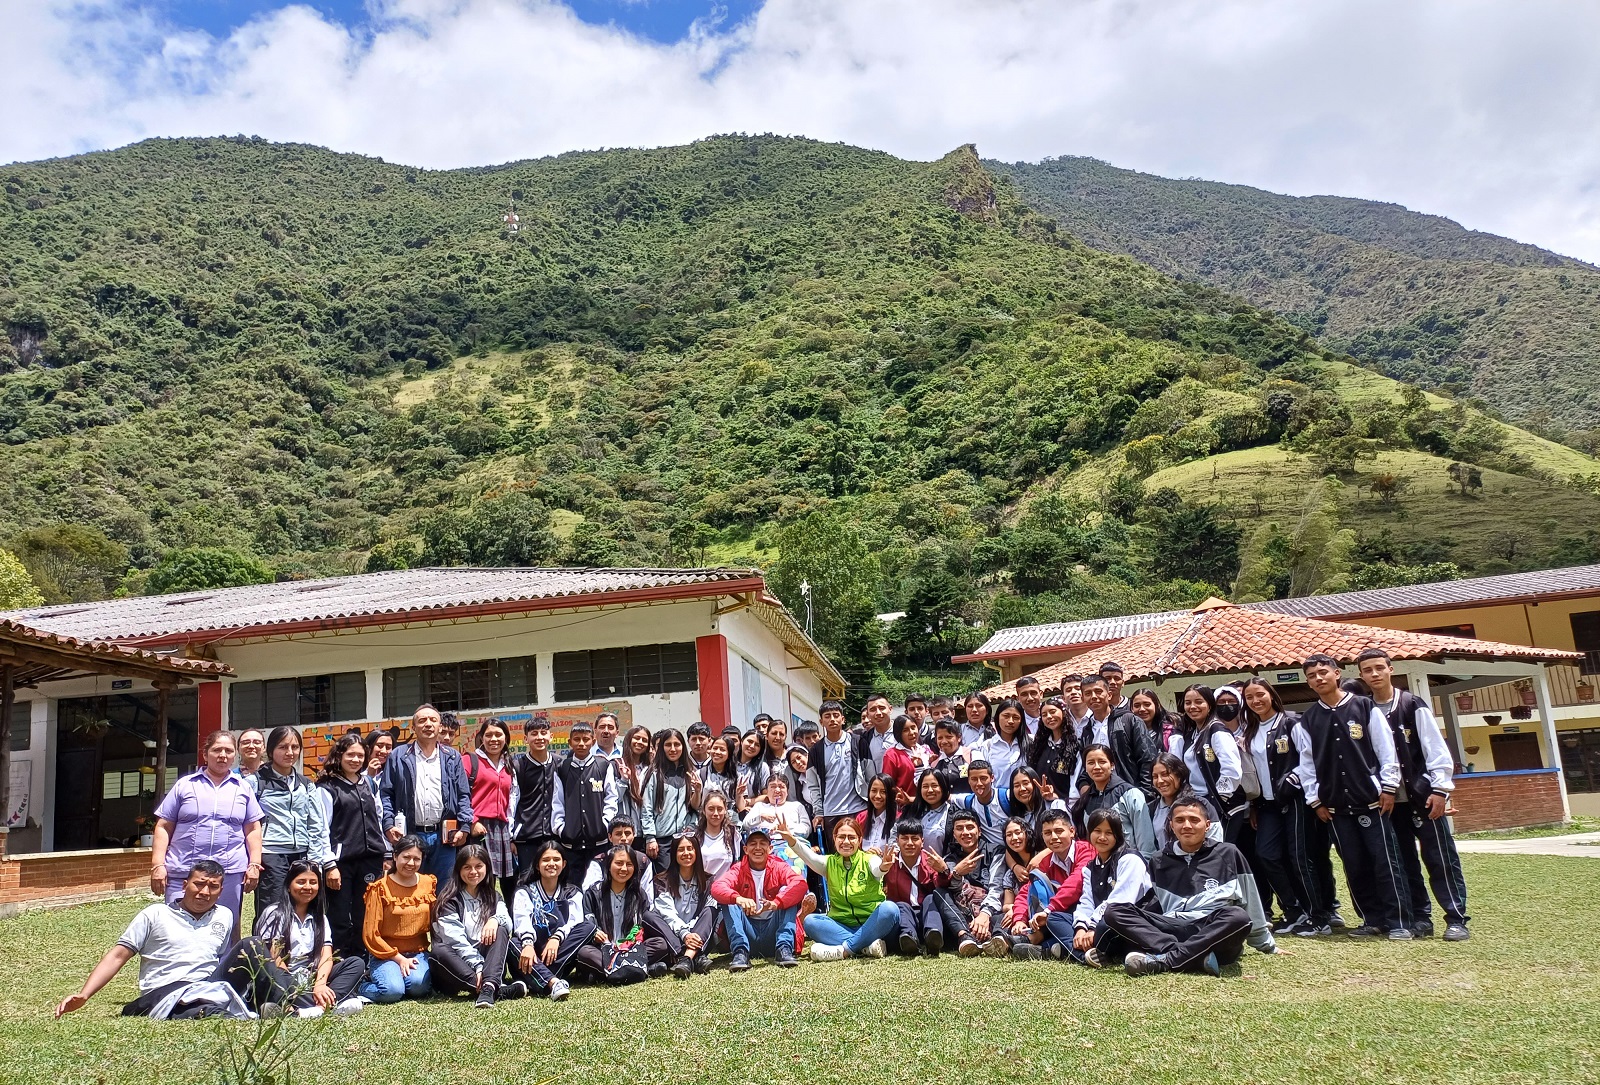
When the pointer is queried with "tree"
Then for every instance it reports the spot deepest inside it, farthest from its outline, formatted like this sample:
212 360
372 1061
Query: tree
17 588
201 567
1192 544
825 552
513 529
70 563
1387 485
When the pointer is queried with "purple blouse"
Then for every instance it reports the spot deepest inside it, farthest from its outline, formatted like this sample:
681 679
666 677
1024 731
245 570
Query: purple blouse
208 820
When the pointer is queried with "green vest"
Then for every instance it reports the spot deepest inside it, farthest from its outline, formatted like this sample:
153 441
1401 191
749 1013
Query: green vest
852 890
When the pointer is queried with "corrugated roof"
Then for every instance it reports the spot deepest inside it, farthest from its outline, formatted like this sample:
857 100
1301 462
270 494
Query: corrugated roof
1436 596
97 655
407 594
1220 638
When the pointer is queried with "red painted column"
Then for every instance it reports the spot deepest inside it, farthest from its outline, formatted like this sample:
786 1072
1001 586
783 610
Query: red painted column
711 660
209 696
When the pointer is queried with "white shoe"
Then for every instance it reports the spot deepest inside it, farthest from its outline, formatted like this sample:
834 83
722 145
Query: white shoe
820 952
348 1006
309 1012
877 949
559 989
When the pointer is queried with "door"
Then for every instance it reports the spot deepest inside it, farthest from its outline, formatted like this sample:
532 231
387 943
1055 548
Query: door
1512 752
77 796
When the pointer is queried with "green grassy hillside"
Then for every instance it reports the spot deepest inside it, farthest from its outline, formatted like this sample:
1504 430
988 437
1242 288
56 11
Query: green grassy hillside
1416 295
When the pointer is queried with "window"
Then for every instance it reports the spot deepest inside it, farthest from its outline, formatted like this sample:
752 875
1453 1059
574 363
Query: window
21 725
460 687
1467 631
1586 639
318 698
1580 758
624 672
750 678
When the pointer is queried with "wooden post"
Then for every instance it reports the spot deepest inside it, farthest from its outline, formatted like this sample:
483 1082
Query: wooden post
1547 724
8 697
163 694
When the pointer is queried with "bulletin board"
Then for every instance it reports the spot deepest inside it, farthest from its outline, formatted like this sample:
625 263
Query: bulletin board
318 739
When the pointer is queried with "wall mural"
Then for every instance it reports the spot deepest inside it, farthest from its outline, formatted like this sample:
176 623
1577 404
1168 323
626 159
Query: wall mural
318 739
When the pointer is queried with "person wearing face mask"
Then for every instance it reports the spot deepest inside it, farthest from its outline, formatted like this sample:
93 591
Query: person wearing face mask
1133 751
1212 756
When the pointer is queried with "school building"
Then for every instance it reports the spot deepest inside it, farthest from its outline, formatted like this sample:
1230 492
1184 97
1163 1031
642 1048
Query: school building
1497 724
659 647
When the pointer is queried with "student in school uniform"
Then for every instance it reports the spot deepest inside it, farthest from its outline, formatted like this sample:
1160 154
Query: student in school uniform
904 757
931 808
355 840
490 780
548 924
1117 874
950 757
1133 751
616 908
1267 742
291 963
760 901
472 933
835 781
1041 917
1350 773
1211 752
671 798
975 885
620 835
1112 674
1108 791
1171 778
1206 907
916 879
986 802
1030 695
533 789
877 821
1420 811
1053 752
717 833
1006 746
876 730
1162 725
689 914
584 800
975 720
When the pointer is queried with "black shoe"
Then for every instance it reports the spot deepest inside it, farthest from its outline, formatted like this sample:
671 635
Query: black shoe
657 970
1366 930
908 946
1211 966
485 998
740 963
785 958
509 991
1422 930
702 964
682 968
1336 920
934 940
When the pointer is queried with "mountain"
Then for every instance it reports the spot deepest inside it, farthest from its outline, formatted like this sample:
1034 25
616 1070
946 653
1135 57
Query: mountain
1417 296
229 358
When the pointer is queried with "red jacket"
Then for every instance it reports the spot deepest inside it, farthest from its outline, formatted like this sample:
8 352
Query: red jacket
898 766
1069 883
491 791
783 886
897 880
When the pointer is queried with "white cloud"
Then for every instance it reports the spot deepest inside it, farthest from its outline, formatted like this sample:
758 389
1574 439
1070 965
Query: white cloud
1475 109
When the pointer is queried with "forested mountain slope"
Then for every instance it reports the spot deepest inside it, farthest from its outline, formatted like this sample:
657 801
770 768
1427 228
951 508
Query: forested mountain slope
749 348
1416 295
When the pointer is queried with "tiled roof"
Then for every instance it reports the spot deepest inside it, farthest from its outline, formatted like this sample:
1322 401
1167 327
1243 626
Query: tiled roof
1220 638
1436 596
407 594
95 654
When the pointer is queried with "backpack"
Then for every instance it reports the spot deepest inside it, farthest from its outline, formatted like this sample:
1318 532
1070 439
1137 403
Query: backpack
1249 779
627 961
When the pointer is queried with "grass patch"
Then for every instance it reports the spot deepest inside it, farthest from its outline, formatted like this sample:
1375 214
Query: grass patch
1334 1011
1578 824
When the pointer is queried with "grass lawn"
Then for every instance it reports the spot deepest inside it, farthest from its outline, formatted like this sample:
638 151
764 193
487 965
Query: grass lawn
1579 824
1518 1003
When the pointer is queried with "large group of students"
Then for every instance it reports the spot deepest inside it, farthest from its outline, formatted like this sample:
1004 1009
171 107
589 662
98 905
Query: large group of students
1082 827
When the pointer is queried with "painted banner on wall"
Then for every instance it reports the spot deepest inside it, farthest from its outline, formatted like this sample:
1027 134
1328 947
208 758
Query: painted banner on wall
318 739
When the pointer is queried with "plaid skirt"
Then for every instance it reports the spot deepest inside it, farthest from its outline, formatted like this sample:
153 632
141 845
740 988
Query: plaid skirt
497 840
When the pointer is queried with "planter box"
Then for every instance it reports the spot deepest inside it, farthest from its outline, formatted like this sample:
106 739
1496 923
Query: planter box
1464 702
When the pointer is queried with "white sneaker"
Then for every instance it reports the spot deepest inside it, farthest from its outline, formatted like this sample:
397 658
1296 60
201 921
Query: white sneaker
820 952
559 989
877 949
309 1012
348 1006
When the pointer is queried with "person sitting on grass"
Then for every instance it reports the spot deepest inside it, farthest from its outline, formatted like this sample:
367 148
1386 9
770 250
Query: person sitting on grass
621 834
399 909
760 900
684 905
295 966
548 923
1206 905
1117 873
858 918
472 933
178 946
1041 915
617 908
916 878
974 885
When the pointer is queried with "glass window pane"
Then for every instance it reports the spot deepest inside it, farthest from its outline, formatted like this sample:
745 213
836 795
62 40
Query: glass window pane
476 685
644 668
349 696
514 679
679 670
282 702
572 676
246 706
444 686
316 699
402 691
608 673
21 725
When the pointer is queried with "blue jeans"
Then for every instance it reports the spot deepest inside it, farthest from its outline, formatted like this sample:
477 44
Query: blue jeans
437 859
761 936
882 923
384 983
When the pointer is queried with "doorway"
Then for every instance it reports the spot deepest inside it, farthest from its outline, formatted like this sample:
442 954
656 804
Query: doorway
105 764
1513 752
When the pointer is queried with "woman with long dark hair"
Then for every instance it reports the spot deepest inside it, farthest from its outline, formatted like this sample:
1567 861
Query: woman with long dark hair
1269 743
668 808
932 809
1053 753
683 901
548 923
1006 746
293 958
615 907
379 744
717 834
631 769
722 773
1161 724
1023 797
294 825
395 930
975 726
1117 873
1170 777
752 770
355 839
1108 791
904 757
472 933
490 776
876 822
1212 754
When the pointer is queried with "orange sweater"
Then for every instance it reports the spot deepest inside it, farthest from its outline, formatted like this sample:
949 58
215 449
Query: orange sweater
397 918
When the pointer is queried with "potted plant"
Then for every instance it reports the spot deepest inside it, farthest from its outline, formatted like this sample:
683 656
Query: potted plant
146 824
1464 702
1585 691
1529 696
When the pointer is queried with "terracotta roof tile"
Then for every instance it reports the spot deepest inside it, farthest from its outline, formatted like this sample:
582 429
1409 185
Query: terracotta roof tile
101 651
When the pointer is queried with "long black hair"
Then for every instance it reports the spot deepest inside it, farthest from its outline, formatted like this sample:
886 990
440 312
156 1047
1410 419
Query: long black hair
273 924
672 880
1251 720
1208 695
1020 739
530 873
1179 769
1109 817
488 897
598 895
891 811
333 764
275 738
919 806
1034 809
988 709
662 766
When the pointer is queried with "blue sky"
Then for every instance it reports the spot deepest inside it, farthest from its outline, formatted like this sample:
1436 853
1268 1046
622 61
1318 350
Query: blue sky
658 20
